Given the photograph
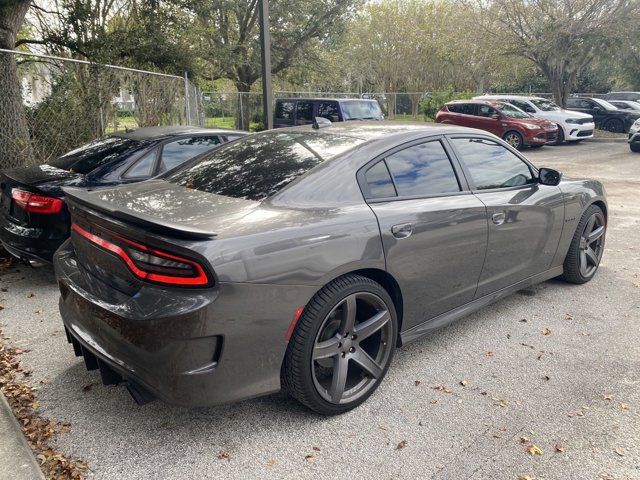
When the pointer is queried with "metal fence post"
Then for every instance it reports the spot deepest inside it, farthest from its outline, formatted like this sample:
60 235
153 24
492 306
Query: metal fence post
187 110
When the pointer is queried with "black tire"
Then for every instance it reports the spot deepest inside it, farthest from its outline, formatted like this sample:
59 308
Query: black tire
635 147
304 376
575 270
614 125
560 137
514 139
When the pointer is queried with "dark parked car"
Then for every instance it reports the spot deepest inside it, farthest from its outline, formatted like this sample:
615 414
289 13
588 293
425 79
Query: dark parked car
634 137
301 258
605 115
303 111
633 96
34 220
517 128
625 104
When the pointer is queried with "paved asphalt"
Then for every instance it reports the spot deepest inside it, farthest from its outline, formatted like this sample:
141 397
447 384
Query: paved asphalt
577 388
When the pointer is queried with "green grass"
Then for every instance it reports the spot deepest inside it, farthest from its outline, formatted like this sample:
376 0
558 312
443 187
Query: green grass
121 123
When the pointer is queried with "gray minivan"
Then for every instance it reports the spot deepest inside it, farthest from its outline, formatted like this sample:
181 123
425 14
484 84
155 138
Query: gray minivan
302 111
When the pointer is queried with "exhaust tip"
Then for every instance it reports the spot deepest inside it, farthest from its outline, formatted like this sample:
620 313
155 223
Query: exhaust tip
140 394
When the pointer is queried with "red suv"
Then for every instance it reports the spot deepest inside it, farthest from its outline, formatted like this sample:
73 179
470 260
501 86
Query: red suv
514 126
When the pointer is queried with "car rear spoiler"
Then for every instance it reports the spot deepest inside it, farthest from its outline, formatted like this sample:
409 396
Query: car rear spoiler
87 201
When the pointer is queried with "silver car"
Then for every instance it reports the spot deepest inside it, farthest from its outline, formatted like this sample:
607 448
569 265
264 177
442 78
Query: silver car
301 258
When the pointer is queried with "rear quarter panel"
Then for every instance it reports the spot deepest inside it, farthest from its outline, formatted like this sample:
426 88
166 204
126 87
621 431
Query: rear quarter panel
578 196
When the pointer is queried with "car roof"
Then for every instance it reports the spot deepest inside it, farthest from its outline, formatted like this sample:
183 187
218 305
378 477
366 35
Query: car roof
316 99
384 132
488 101
154 133
510 96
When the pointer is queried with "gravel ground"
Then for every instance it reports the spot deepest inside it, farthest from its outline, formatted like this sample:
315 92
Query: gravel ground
575 389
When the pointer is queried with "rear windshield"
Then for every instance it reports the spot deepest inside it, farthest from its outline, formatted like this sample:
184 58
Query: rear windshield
91 156
361 109
260 165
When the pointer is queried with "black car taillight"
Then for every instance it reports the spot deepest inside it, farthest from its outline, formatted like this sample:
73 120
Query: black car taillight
34 203
149 263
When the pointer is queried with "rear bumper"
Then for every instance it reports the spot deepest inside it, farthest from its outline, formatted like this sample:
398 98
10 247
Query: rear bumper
188 347
28 243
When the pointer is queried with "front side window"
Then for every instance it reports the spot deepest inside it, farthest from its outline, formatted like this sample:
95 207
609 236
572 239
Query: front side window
284 110
259 165
423 169
304 111
486 111
329 110
491 165
179 151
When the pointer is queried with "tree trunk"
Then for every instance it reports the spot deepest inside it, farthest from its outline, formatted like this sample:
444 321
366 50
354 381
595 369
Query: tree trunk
15 146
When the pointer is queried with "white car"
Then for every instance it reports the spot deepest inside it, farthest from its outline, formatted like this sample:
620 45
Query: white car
634 136
572 126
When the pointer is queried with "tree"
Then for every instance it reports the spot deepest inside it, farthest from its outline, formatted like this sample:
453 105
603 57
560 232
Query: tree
229 34
561 38
14 132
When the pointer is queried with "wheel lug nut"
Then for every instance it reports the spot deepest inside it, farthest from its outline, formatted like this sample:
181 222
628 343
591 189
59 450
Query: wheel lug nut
353 337
352 349
343 354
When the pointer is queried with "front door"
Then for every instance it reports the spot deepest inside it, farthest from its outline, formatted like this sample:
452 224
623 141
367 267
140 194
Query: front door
434 231
524 218
489 120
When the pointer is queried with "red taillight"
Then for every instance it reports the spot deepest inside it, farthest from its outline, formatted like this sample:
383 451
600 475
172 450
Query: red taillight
150 263
34 203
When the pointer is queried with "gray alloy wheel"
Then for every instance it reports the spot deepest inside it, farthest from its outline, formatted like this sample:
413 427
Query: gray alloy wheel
614 125
586 248
342 346
514 139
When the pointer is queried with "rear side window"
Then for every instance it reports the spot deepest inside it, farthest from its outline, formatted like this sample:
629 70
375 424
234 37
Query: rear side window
423 169
284 110
378 182
144 166
95 154
304 111
464 108
491 165
179 151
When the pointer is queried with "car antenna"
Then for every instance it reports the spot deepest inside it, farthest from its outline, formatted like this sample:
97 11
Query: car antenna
320 122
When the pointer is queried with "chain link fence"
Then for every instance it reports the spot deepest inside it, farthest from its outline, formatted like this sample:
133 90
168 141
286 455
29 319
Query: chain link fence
69 102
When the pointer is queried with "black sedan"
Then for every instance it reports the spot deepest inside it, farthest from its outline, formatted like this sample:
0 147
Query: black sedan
34 220
299 258
605 115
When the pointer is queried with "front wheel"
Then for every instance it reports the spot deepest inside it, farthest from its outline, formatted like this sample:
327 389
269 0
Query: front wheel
514 139
614 125
342 346
587 246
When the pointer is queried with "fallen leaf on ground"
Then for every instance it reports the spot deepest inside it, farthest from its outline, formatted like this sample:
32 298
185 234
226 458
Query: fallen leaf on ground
271 462
463 383
310 457
31 295
223 454
489 354
524 440
568 316
534 450
39 311
317 449
441 388
618 452
624 406
547 331
559 448
608 396
525 477
416 383
401 445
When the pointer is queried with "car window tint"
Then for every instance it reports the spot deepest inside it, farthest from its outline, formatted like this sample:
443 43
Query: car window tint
144 166
179 151
304 111
486 111
259 165
491 165
379 183
361 110
329 110
423 169
87 158
464 108
284 110
522 105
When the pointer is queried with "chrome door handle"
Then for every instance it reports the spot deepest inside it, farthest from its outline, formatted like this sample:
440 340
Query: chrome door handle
498 218
402 230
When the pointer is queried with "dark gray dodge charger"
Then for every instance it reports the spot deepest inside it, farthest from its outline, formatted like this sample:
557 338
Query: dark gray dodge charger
300 258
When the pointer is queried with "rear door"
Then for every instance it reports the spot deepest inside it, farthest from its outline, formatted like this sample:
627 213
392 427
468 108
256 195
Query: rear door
434 231
305 112
524 218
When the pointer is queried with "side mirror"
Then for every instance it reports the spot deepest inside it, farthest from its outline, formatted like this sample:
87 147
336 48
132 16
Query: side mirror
549 176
